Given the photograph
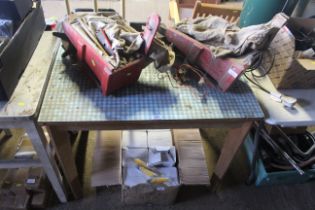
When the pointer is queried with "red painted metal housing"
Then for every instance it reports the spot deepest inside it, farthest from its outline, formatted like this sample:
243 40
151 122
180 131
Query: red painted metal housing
112 79
224 71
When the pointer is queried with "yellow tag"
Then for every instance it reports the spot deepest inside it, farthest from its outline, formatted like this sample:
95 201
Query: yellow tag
159 180
21 104
140 162
147 171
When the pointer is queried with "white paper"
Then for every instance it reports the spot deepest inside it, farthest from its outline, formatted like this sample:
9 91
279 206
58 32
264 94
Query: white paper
130 154
162 156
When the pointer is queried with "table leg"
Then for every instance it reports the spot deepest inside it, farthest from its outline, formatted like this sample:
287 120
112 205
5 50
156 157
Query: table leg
48 163
233 141
61 141
7 132
252 175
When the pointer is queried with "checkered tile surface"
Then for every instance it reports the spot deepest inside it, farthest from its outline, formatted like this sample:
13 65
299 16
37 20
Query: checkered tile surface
72 97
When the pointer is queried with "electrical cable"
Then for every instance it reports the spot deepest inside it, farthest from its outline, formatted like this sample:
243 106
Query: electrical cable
258 58
309 152
283 153
257 64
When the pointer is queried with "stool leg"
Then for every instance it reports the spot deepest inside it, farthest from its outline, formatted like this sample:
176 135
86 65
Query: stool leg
48 162
252 175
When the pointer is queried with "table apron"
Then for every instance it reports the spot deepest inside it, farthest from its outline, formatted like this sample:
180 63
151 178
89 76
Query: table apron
121 125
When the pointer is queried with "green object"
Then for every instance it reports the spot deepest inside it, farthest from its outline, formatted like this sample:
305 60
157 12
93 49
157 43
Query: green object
258 11
263 177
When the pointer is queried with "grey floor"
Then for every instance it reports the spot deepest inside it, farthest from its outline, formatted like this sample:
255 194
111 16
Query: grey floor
238 198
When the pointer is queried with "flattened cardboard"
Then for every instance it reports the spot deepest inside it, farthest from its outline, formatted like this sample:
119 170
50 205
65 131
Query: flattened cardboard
135 139
160 138
192 165
106 169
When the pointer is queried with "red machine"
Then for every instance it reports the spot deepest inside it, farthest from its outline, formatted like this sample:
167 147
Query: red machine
224 71
109 77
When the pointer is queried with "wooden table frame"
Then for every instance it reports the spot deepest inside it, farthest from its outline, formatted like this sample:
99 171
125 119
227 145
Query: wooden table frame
73 102
60 137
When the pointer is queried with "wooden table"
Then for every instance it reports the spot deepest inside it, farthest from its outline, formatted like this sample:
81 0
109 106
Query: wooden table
22 110
156 101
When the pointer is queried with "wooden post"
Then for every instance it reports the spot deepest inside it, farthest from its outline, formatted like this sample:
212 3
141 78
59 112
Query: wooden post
122 8
68 7
233 141
95 6
61 141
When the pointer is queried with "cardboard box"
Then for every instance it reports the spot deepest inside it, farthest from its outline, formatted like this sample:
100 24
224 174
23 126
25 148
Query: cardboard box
288 72
137 189
160 138
135 139
136 186
155 148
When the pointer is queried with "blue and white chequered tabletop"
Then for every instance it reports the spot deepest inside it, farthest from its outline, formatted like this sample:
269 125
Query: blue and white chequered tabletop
72 97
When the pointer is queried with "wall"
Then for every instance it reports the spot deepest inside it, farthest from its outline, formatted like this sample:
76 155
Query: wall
135 10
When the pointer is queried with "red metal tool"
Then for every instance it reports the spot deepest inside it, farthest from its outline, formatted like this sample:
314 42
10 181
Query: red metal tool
111 78
224 71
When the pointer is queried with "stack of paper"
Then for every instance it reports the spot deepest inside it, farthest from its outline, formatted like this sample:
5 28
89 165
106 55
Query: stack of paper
106 169
192 165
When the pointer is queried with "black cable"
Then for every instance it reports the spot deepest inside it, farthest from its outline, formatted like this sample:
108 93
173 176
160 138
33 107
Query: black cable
257 64
258 85
280 151
258 58
297 150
